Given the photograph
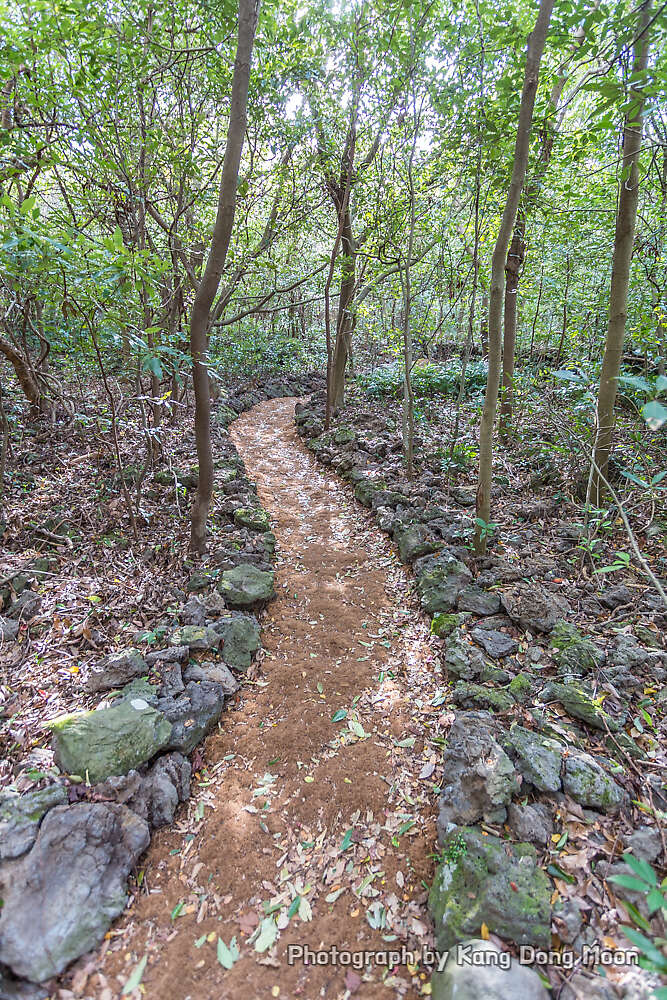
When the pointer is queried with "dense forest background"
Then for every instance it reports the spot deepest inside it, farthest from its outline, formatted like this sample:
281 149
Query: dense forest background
371 162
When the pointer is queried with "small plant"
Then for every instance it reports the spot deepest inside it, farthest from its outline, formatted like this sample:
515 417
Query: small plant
487 529
645 881
621 561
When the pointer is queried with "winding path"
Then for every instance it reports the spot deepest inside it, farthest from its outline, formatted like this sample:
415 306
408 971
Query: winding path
333 822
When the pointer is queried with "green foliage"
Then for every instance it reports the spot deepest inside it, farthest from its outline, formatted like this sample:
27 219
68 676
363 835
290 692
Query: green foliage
645 881
428 380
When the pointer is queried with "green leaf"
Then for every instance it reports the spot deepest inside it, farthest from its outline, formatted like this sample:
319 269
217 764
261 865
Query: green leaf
559 873
647 947
135 977
642 868
268 934
347 840
356 728
628 882
339 715
655 901
227 955
655 414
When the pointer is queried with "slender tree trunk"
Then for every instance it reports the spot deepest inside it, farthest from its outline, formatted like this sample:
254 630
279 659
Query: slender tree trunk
566 292
537 313
345 319
484 326
208 286
534 52
513 265
626 217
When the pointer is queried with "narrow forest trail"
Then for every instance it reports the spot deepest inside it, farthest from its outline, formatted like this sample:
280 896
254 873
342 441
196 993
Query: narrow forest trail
292 802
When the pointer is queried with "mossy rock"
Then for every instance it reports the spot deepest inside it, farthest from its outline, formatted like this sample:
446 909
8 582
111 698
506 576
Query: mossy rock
478 696
538 758
240 638
202 579
364 491
485 880
268 541
579 705
440 580
197 637
443 624
414 541
521 687
20 816
344 435
253 518
573 652
245 586
586 781
110 741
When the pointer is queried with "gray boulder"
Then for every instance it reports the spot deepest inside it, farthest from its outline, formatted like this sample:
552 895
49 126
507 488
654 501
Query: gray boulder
586 781
532 607
20 816
414 541
25 607
644 842
195 637
218 673
478 696
9 630
60 898
532 823
115 670
155 795
461 659
538 758
20 989
245 586
476 971
579 704
496 644
473 885
440 580
193 714
193 612
479 778
480 602
574 653
111 740
240 639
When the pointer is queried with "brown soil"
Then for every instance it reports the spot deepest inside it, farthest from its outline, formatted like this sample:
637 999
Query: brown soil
280 784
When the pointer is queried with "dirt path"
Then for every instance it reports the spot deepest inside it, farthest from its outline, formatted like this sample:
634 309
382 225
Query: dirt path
333 823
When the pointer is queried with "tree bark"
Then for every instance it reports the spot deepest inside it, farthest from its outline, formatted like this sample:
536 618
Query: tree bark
210 282
345 318
24 377
534 52
513 265
626 217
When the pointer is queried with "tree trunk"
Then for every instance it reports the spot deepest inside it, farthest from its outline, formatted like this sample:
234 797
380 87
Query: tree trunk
533 57
484 326
208 286
513 265
626 217
345 319
24 377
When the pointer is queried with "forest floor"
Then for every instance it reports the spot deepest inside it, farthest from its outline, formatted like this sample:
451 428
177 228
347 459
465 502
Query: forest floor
315 801
295 805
